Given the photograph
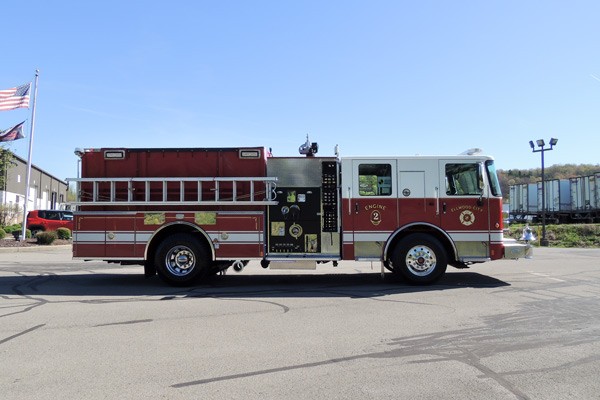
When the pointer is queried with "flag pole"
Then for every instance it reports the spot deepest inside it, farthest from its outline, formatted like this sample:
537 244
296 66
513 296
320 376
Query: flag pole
28 179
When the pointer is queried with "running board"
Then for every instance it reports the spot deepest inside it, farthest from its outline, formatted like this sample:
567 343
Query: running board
298 264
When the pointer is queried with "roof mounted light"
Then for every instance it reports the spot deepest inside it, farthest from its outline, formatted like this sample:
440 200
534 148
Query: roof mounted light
114 154
472 152
249 153
309 149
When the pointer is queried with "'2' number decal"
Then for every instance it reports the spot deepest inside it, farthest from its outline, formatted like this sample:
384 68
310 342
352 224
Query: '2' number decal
375 217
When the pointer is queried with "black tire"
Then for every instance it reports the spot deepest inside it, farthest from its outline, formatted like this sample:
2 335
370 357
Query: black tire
35 230
420 259
181 260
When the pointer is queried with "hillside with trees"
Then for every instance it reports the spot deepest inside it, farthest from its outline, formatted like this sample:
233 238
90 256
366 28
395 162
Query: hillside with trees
566 171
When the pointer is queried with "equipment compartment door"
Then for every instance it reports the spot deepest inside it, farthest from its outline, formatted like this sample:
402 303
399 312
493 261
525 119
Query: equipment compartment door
305 223
294 225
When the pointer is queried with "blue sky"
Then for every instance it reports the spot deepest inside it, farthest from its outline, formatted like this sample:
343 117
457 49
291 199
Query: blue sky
375 77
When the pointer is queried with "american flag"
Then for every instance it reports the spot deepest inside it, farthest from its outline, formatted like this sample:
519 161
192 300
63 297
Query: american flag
17 97
14 133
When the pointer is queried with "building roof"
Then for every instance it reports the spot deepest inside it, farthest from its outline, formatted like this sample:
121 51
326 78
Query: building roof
24 161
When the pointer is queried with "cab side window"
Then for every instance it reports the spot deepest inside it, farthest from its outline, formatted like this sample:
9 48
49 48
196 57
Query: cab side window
463 180
375 180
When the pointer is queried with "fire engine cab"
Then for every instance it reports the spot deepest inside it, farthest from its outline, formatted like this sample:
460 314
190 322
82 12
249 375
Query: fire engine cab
186 213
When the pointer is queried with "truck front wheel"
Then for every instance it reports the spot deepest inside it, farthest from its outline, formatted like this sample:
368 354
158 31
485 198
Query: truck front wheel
420 259
181 260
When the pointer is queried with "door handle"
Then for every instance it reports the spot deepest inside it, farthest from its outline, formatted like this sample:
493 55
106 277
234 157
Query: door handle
356 208
444 208
349 201
480 200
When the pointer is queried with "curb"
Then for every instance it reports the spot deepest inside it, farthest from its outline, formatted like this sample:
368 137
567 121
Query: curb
32 249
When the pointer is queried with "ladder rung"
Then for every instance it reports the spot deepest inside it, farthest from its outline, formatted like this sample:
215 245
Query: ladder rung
103 195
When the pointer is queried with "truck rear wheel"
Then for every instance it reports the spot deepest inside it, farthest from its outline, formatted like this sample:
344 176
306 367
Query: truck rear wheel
181 260
420 259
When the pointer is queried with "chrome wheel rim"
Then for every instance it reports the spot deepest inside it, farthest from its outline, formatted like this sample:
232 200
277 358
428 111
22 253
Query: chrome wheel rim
180 261
421 260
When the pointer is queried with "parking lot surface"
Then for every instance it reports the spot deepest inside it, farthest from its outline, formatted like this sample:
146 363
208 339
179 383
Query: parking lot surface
526 329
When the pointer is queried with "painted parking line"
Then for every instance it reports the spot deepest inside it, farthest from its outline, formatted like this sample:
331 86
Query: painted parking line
547 276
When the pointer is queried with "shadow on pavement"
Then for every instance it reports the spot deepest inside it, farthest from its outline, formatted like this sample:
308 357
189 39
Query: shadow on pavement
273 286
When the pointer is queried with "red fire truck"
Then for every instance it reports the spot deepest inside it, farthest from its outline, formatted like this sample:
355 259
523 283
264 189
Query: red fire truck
186 213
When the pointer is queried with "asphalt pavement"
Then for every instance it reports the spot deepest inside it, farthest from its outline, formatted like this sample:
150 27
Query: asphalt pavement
526 329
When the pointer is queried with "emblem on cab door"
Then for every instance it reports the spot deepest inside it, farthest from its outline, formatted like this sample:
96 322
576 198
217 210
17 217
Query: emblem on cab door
467 218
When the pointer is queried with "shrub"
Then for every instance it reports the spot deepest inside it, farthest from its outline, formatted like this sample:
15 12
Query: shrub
12 228
563 235
2 233
46 237
27 233
63 233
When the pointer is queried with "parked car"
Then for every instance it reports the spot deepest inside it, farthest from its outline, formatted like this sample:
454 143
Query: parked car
49 220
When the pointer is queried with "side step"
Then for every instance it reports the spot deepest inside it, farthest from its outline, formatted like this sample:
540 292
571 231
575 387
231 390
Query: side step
289 264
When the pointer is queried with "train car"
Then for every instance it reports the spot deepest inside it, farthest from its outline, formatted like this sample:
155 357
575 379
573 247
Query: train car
565 200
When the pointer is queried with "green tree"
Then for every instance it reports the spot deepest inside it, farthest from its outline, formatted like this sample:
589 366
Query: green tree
6 161
71 193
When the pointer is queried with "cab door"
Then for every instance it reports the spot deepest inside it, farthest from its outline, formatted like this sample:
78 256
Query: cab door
373 205
464 207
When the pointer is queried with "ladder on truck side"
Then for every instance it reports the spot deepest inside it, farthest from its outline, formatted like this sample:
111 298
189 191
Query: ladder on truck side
163 191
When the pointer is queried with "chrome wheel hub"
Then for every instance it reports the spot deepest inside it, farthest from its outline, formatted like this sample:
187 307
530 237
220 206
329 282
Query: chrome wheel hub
421 260
180 260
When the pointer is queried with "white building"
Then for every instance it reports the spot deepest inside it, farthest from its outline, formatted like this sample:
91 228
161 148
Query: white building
45 191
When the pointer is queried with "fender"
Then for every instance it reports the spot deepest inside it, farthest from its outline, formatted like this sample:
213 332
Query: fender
413 224
180 223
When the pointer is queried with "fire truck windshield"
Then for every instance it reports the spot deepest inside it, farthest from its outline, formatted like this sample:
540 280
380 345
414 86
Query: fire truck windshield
493 178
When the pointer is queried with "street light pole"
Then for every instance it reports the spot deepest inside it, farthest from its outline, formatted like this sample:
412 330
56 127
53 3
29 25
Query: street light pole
542 150
543 240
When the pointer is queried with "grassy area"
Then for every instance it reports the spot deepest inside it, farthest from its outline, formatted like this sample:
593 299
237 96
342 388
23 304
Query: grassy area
564 235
